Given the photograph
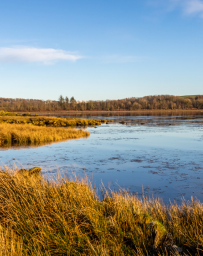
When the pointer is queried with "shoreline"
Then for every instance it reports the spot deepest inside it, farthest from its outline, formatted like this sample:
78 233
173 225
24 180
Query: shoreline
115 111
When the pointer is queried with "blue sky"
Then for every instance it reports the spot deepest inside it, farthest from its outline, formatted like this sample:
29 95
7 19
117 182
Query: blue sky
100 49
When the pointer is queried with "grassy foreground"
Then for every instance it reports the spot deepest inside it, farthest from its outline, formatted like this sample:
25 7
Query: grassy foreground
21 134
49 121
65 217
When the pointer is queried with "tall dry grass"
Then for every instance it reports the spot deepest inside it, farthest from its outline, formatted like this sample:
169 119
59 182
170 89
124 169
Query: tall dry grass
65 217
19 134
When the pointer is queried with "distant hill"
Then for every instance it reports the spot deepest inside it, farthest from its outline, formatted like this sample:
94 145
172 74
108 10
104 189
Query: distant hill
190 96
152 102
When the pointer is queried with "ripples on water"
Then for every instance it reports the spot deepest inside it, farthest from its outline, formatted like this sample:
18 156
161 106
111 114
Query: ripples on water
160 155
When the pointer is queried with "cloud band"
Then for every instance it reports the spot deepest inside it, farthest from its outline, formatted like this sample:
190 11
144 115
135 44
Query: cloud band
30 54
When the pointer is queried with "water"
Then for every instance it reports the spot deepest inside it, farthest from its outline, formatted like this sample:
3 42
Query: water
160 156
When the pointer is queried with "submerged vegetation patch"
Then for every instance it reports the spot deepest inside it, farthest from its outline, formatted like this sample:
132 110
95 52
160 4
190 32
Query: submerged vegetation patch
65 217
24 134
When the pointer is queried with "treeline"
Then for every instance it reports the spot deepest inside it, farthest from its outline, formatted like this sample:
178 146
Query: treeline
158 102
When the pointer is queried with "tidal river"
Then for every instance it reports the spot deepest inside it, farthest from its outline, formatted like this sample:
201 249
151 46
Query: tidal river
158 156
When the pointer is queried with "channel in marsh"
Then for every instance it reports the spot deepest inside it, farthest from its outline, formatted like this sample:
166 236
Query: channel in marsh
160 156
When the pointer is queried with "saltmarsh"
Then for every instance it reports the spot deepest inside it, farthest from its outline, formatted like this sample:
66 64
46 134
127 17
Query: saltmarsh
65 217
49 121
25 134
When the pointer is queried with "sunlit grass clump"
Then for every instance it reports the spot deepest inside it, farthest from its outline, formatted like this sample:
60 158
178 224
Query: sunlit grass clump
19 134
65 217
5 113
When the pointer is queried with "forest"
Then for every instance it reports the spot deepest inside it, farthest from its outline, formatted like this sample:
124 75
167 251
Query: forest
157 102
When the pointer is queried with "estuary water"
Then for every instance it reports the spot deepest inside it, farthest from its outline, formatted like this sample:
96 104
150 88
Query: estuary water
158 156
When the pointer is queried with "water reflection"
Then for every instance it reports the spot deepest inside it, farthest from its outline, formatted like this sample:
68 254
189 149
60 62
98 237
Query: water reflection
183 114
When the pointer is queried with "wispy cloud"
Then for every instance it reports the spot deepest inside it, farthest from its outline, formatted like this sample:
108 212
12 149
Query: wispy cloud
192 6
189 7
121 58
30 54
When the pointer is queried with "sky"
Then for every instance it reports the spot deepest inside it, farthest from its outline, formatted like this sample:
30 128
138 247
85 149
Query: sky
100 49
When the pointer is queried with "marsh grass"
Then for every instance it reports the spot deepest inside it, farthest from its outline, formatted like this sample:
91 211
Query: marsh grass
24 134
48 121
66 217
5 113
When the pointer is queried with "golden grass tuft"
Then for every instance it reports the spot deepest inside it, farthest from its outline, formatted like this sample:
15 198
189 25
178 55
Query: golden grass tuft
65 217
22 134
5 113
10 243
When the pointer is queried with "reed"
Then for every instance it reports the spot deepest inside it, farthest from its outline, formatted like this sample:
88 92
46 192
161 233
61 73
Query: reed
19 134
66 217
48 121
